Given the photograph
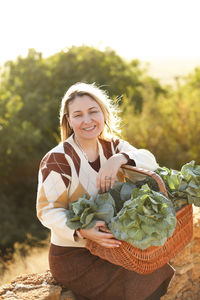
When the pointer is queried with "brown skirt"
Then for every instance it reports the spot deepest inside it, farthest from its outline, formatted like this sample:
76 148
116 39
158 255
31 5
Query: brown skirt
93 278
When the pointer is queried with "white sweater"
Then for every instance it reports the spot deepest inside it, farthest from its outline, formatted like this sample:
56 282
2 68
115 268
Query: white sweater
65 175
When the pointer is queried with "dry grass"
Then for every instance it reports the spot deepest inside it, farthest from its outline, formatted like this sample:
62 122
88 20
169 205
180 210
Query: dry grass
35 262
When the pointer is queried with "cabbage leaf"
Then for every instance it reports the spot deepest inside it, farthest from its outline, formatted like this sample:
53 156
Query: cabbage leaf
84 213
147 219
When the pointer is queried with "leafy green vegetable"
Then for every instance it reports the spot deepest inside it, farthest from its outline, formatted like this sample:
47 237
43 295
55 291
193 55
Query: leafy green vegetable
138 213
147 219
183 186
121 192
85 212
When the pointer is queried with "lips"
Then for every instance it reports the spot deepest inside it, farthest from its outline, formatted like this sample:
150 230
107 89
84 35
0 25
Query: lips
89 128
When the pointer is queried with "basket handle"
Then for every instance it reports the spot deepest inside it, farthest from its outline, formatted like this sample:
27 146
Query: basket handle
152 174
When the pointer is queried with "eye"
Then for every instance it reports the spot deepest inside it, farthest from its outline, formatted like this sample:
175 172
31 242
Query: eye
76 116
94 111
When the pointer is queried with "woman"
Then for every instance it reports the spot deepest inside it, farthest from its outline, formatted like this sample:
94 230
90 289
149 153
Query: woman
89 160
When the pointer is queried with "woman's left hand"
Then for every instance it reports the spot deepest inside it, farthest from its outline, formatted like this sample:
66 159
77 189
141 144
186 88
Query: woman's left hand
102 238
108 172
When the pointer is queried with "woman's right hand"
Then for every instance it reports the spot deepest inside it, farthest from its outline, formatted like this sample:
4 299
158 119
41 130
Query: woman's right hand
102 238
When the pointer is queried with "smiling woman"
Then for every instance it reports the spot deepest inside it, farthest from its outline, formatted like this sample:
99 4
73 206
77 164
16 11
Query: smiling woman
87 162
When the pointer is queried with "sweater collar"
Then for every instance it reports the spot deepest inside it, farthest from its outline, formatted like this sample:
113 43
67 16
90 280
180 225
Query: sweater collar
71 141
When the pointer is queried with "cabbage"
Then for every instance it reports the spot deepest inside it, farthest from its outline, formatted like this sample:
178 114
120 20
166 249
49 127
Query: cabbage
83 213
147 219
183 186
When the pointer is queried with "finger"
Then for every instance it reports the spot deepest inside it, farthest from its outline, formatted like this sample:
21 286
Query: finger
99 180
108 245
104 235
112 182
104 229
108 235
103 185
100 223
108 184
112 241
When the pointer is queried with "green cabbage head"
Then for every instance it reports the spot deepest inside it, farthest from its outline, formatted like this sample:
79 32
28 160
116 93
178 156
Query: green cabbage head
147 219
84 213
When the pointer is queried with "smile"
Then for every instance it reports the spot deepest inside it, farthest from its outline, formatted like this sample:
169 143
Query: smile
89 128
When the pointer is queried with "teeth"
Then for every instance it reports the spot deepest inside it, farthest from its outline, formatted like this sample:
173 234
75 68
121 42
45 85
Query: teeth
89 128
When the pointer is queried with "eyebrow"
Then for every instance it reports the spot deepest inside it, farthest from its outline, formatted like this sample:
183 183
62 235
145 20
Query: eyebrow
78 111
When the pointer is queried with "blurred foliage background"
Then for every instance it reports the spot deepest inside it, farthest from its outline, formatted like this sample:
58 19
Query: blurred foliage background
163 119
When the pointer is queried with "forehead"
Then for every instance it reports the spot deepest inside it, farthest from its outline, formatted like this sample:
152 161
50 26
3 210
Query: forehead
82 103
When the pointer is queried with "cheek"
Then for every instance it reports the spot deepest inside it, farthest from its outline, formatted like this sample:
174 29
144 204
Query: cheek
101 118
74 123
102 121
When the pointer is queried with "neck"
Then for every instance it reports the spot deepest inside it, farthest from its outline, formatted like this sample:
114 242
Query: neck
88 147
87 144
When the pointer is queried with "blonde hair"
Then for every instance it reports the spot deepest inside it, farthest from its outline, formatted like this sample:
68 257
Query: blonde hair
107 106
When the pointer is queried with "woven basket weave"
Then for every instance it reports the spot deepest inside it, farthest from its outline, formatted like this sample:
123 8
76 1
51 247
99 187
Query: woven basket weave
147 261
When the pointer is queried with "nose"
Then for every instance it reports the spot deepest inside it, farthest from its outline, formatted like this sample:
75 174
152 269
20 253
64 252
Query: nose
87 118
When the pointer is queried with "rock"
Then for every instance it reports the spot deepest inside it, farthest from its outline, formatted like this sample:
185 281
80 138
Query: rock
32 287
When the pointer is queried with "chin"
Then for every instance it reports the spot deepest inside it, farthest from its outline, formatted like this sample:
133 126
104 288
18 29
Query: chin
90 137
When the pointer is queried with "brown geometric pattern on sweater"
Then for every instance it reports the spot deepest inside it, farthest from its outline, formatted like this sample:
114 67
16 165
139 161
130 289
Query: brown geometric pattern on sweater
107 150
65 180
55 162
69 150
115 144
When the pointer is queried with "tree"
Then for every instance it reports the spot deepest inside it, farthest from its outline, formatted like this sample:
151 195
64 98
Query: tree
168 127
105 68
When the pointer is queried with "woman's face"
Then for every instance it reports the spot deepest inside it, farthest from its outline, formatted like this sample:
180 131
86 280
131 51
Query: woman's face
86 118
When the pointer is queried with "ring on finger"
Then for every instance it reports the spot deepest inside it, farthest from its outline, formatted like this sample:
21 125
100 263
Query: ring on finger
107 177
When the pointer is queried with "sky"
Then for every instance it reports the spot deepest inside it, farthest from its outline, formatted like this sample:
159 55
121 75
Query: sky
143 29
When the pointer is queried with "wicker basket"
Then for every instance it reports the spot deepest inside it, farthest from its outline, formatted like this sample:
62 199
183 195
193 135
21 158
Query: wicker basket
147 261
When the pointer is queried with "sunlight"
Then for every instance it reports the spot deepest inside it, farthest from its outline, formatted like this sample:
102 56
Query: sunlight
135 29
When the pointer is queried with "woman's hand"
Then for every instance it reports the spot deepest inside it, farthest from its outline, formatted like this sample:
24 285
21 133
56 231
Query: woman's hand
104 239
108 172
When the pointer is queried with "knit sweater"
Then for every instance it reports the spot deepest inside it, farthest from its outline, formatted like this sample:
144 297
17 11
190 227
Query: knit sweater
65 175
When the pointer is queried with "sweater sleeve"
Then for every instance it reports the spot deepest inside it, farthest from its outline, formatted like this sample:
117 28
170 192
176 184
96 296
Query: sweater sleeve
52 194
141 157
